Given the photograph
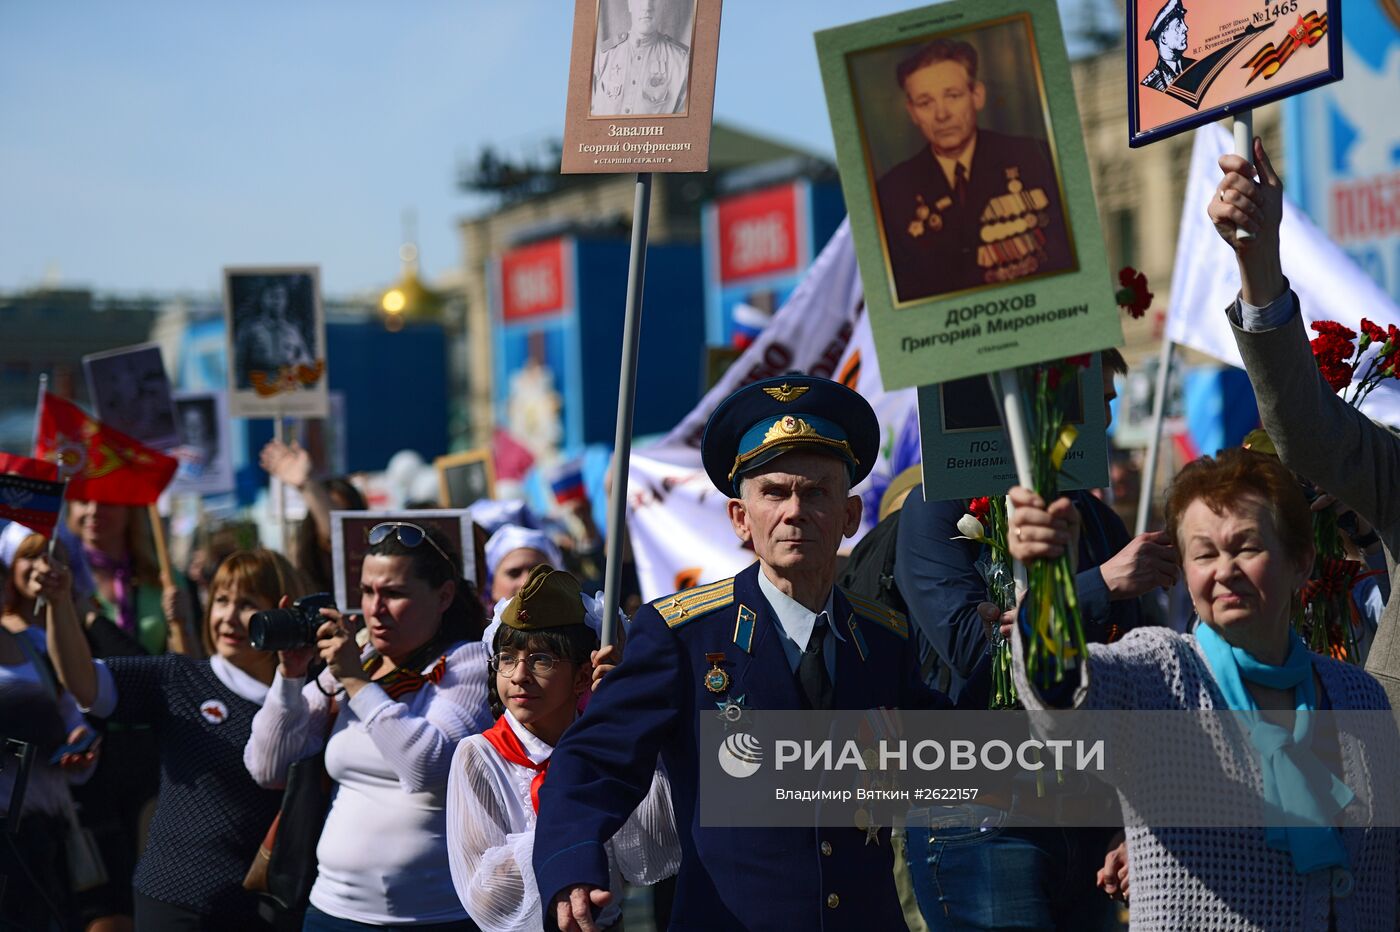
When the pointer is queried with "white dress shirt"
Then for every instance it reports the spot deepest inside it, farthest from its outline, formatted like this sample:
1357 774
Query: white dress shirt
796 623
1271 316
950 166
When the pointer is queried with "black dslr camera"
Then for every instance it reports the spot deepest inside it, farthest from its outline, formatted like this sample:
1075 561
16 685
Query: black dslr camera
290 628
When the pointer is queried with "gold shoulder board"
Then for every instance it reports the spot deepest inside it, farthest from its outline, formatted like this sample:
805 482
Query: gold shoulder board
690 604
882 615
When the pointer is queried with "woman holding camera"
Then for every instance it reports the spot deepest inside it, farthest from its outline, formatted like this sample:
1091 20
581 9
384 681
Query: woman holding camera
210 815
389 718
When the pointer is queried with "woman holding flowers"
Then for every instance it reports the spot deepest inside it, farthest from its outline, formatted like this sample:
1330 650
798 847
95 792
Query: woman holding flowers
1245 536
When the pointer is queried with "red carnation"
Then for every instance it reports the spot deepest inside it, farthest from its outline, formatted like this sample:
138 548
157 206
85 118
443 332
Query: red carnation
979 508
1330 348
1331 328
1133 297
1337 375
1371 333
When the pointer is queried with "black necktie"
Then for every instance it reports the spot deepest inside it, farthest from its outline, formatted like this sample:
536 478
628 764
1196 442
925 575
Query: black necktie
959 184
811 669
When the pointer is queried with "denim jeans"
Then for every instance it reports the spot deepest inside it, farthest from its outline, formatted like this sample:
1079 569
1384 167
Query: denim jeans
970 872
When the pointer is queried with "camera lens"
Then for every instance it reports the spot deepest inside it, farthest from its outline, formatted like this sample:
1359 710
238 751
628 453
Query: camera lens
290 628
280 629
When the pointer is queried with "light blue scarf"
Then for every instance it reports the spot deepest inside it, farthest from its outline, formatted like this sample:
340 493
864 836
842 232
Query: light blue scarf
1295 781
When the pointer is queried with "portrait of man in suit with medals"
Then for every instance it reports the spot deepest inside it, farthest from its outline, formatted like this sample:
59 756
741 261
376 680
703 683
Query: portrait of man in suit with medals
973 206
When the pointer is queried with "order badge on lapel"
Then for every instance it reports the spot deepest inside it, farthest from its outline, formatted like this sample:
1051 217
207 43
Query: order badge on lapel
716 680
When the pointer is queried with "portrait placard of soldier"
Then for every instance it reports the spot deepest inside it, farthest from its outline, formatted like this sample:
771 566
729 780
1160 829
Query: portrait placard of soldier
206 466
276 330
1192 62
641 85
129 390
350 541
963 167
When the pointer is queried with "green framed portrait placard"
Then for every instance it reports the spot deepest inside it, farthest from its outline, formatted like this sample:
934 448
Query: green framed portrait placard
963 167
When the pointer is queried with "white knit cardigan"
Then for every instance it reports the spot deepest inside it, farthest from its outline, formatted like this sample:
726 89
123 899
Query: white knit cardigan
1229 878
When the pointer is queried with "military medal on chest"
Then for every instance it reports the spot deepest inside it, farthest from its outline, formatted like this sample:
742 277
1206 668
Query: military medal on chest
658 77
927 219
716 680
1013 231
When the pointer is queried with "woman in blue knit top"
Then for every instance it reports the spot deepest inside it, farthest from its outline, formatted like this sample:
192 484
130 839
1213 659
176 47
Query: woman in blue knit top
210 816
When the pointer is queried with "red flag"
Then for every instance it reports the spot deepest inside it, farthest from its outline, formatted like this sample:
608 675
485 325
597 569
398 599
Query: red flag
30 492
100 464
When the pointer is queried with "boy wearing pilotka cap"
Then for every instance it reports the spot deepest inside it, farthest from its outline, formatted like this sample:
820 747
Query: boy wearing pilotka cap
540 666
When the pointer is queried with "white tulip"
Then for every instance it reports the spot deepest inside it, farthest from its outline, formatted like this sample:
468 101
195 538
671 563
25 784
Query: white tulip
971 528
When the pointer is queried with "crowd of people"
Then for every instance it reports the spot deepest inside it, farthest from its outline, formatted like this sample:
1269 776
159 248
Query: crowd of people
447 755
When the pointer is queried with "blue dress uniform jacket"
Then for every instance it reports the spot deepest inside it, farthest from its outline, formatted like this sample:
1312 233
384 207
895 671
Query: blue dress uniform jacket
758 878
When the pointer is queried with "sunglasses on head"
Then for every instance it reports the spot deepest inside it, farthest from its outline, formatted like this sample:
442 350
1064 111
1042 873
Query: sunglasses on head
410 535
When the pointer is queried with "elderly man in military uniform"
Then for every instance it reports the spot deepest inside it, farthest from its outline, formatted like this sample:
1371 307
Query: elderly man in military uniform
1168 31
643 71
972 207
780 635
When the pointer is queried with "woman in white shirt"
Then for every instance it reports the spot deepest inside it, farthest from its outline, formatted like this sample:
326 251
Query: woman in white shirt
393 713
544 659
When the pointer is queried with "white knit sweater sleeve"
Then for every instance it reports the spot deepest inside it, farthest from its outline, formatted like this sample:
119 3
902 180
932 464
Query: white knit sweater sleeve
417 737
1143 670
647 848
290 726
491 864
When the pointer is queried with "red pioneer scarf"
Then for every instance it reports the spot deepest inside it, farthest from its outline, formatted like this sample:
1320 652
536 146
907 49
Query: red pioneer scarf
507 744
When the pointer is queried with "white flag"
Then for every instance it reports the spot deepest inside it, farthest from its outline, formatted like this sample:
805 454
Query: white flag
1330 286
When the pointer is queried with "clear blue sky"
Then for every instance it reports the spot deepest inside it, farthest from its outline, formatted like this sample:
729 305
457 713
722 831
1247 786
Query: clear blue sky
146 143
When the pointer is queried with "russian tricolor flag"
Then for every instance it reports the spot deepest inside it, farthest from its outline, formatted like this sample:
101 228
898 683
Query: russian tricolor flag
749 322
566 481
30 492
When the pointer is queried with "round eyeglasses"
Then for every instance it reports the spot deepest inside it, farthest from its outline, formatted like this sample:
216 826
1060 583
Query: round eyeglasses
535 664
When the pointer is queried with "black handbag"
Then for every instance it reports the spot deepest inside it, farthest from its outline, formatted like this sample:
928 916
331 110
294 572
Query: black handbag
285 867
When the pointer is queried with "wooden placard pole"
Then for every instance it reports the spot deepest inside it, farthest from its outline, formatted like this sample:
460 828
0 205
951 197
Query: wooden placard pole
626 395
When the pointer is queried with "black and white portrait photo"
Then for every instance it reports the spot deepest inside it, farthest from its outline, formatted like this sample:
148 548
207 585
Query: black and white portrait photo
205 464
276 342
464 478
273 324
130 391
641 61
